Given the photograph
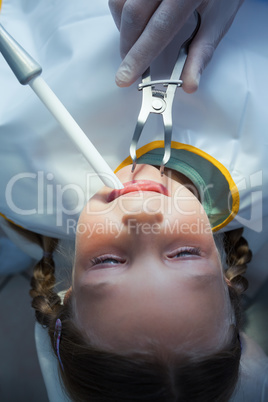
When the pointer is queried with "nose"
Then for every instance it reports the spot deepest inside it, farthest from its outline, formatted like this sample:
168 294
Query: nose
142 218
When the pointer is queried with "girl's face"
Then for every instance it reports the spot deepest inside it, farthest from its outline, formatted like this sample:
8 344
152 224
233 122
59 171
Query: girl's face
147 268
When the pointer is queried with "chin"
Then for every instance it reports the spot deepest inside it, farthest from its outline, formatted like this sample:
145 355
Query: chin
141 172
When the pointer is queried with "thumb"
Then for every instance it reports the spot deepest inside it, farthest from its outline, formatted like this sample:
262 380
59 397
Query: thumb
199 55
216 20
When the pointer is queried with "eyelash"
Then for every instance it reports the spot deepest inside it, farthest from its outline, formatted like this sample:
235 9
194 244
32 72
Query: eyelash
102 259
187 251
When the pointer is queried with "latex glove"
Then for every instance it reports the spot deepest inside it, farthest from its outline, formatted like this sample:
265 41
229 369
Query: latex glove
147 26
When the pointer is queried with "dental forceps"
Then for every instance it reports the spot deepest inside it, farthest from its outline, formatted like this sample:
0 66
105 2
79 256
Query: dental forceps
159 101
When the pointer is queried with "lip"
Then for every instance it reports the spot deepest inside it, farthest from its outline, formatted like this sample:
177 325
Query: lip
138 185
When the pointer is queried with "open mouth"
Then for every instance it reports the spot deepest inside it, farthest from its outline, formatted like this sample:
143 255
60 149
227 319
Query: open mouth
136 186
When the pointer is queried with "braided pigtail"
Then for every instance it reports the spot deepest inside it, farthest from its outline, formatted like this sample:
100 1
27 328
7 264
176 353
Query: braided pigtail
238 255
46 302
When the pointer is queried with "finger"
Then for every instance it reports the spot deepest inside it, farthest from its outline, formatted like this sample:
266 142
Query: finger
116 7
198 57
160 30
135 16
204 44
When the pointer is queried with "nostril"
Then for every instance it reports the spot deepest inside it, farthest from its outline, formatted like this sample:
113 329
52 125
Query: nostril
143 217
159 217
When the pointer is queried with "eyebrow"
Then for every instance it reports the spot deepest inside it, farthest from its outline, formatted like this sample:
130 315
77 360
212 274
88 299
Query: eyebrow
97 289
100 289
207 279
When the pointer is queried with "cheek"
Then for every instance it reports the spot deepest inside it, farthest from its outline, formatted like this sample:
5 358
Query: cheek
189 226
96 205
97 237
94 220
88 236
85 231
186 204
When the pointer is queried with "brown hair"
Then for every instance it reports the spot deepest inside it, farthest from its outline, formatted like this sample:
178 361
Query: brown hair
92 374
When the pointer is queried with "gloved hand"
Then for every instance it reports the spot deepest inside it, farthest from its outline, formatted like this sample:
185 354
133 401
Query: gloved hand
147 26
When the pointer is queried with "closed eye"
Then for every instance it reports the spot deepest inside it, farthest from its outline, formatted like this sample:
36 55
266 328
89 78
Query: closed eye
185 252
107 260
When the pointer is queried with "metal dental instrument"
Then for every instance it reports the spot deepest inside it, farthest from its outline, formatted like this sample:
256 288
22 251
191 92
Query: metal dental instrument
158 101
28 71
